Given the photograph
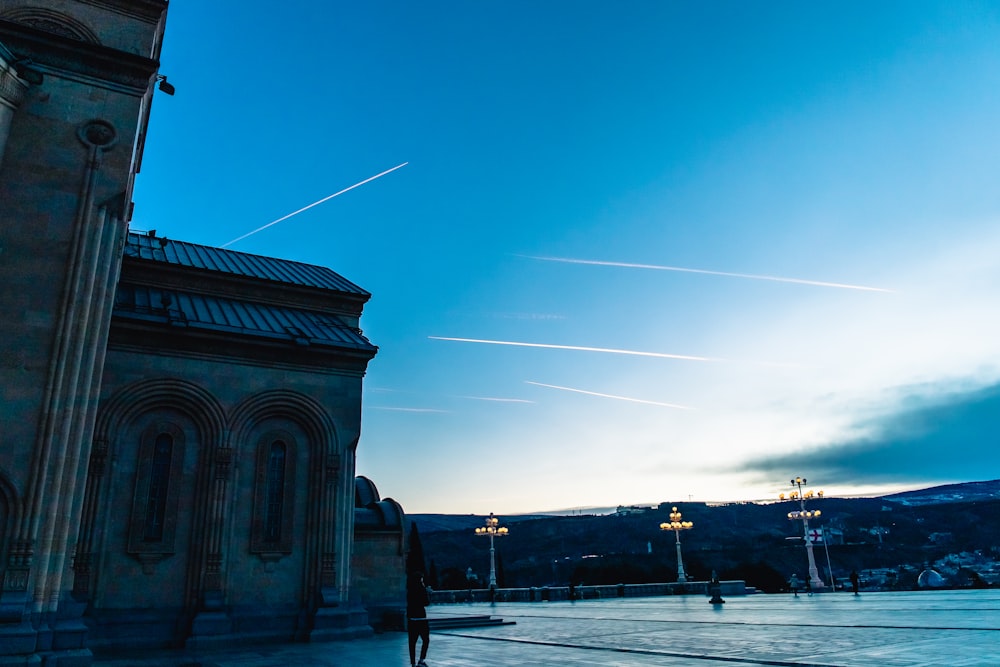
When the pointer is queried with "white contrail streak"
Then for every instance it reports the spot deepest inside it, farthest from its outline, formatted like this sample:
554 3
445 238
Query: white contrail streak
620 398
495 399
315 203
680 269
662 355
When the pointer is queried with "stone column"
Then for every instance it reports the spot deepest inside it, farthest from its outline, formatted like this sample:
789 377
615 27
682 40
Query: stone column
70 394
212 626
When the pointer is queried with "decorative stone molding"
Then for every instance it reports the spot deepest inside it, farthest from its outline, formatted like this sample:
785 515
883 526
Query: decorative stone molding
98 134
328 570
15 579
332 468
53 22
98 458
60 55
12 89
223 462
149 561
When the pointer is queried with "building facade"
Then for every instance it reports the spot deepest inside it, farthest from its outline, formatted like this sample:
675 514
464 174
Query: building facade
179 421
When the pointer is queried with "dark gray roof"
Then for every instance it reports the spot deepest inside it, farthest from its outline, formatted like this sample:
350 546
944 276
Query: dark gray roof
192 255
177 308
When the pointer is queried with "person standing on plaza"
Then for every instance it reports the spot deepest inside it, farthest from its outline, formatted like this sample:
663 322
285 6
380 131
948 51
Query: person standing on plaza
793 584
416 617
854 581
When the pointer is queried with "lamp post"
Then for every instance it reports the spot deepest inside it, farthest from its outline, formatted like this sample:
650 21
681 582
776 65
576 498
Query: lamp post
492 530
803 515
675 524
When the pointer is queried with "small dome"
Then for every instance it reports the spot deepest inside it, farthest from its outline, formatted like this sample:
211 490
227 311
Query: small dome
365 493
930 579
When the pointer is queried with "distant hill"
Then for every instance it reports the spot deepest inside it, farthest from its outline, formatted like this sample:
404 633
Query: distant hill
430 523
949 493
754 541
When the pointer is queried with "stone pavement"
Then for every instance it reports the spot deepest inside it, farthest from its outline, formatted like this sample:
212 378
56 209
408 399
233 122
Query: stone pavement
953 628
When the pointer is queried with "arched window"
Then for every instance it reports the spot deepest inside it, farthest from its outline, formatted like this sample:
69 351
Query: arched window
159 483
275 493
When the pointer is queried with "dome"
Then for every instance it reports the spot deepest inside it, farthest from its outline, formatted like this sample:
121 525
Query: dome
930 579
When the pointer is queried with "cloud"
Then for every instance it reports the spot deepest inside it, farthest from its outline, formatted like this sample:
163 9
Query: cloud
748 276
939 438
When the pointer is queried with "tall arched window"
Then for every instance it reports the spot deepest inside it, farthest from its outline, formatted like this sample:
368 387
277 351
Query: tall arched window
275 492
159 483
274 495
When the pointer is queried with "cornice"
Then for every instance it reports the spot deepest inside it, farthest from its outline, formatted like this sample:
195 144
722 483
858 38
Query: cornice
91 60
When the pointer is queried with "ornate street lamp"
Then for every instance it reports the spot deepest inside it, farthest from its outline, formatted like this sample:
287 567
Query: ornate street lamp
675 524
803 515
492 530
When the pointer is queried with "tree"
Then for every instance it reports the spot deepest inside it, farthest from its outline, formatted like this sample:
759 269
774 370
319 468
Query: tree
432 575
415 556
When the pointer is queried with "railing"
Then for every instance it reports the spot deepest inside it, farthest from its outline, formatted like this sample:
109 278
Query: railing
556 593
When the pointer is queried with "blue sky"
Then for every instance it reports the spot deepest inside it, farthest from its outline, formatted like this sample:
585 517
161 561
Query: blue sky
824 174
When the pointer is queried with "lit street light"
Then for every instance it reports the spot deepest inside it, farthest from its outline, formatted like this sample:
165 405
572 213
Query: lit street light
492 530
803 515
675 524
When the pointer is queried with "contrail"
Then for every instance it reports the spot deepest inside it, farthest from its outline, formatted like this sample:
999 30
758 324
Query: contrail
750 276
497 400
662 355
316 203
620 398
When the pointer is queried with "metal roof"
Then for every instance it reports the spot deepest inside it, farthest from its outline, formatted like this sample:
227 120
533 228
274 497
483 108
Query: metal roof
193 255
183 309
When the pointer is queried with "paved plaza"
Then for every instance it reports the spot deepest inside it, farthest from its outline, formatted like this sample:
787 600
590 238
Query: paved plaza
953 628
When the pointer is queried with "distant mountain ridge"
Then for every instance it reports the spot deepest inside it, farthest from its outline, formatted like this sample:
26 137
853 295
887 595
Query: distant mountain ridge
946 493
953 526
949 493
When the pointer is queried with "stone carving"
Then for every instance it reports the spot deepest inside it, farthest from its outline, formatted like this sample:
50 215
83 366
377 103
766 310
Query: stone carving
52 22
98 133
223 462
12 91
15 579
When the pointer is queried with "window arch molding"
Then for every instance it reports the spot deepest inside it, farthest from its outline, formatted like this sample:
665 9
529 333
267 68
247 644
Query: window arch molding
129 402
316 447
304 411
139 403
52 21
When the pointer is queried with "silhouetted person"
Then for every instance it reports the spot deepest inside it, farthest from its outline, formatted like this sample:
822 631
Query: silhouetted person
854 581
416 617
809 586
793 584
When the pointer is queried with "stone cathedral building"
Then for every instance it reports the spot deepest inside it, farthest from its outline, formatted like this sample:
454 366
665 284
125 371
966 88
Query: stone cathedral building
179 422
